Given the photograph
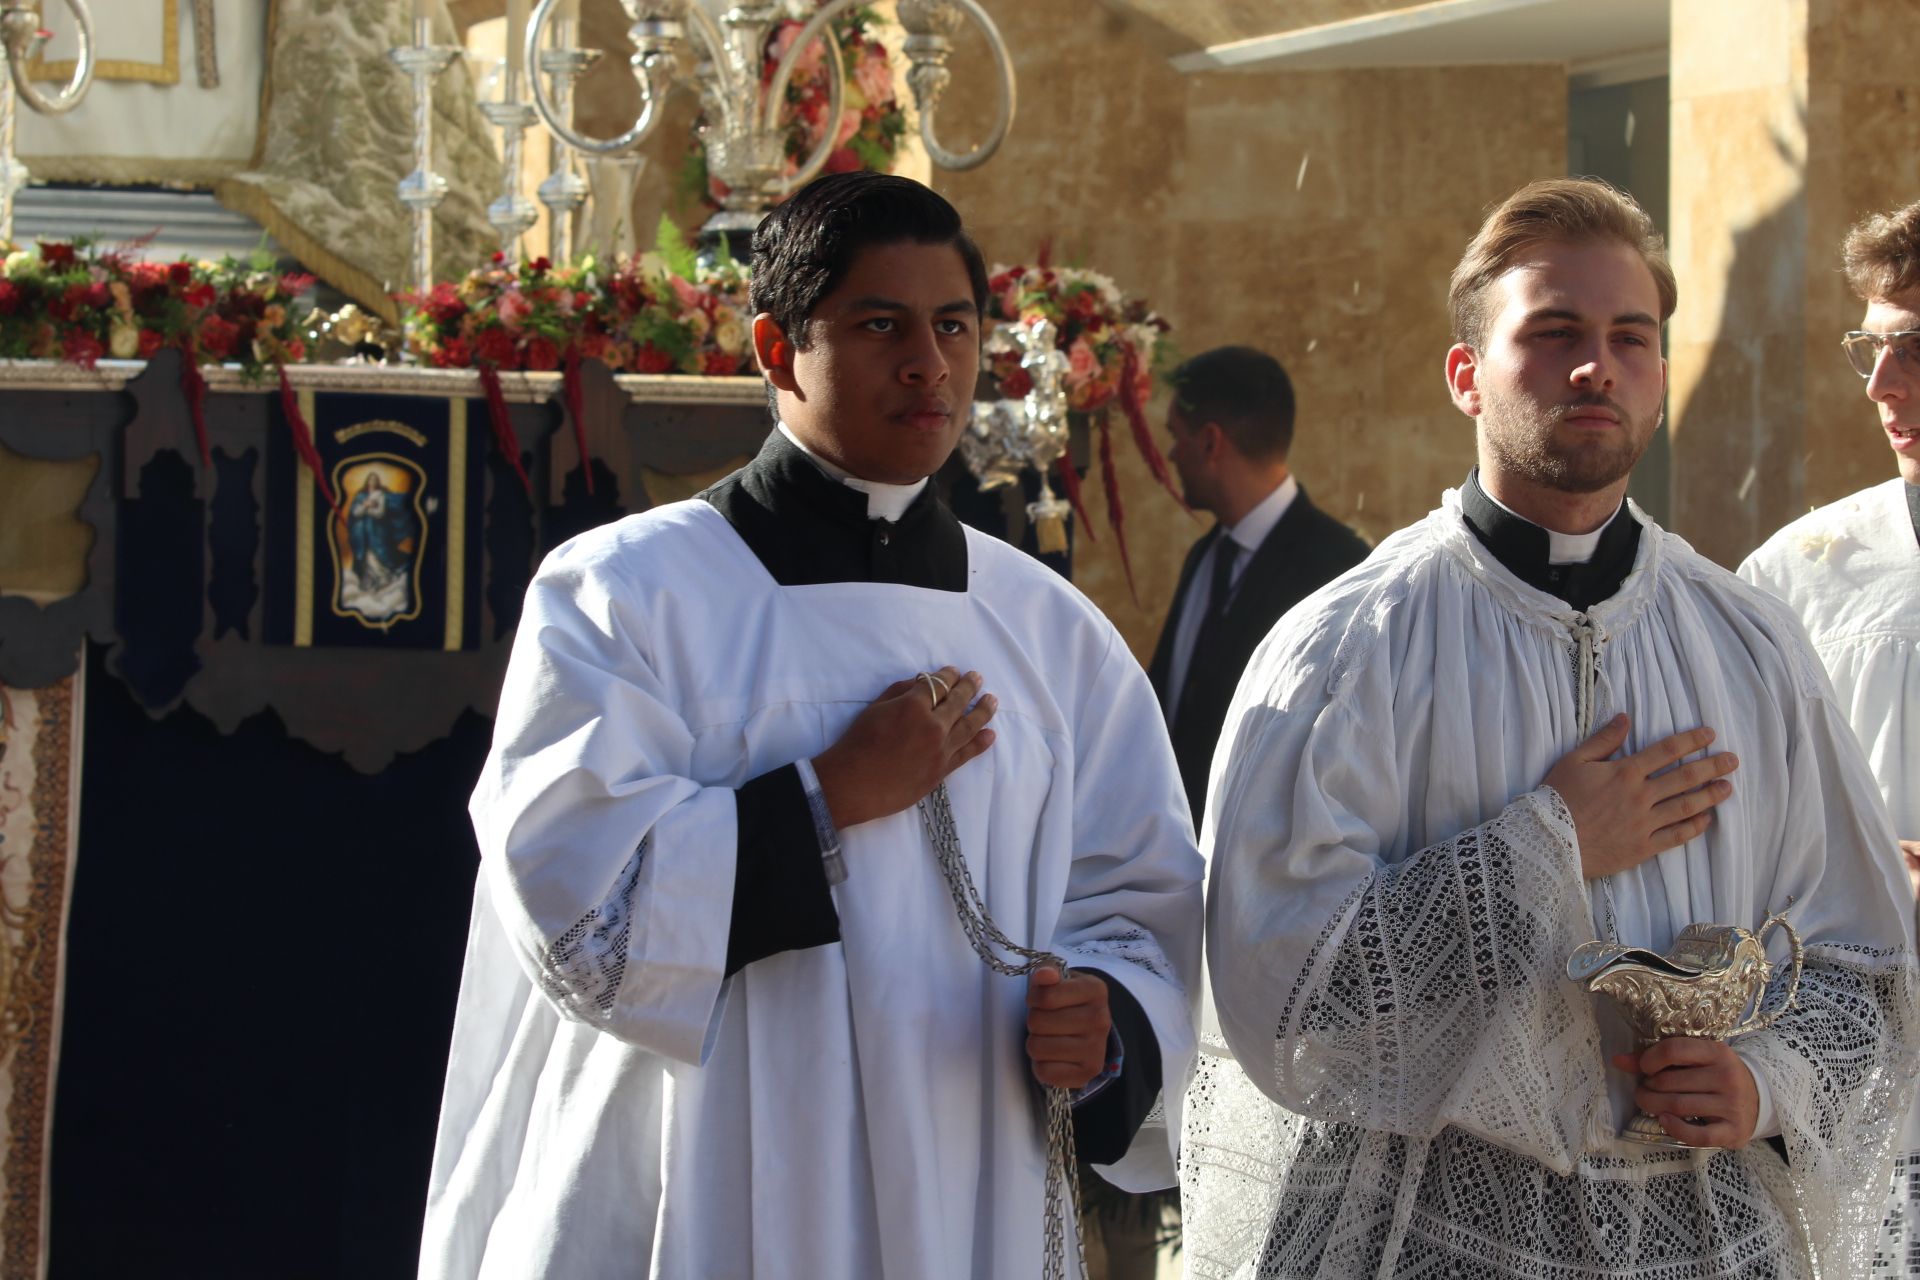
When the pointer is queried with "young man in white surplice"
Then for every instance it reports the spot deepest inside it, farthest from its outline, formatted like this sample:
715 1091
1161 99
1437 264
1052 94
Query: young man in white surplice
719 1016
1851 570
1478 750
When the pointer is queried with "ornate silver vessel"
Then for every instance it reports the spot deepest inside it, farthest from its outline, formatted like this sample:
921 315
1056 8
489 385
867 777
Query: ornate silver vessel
1711 985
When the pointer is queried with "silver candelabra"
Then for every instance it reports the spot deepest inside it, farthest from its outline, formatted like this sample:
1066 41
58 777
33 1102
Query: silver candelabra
563 190
21 33
743 136
423 189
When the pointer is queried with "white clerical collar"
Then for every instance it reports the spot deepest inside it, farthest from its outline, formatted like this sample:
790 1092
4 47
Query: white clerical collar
1258 523
1563 548
884 501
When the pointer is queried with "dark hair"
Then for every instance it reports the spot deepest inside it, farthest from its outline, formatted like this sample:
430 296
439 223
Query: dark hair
803 249
1883 254
1562 210
1245 391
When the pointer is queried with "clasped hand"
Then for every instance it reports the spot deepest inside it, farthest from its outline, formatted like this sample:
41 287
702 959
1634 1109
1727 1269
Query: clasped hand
904 745
1699 1090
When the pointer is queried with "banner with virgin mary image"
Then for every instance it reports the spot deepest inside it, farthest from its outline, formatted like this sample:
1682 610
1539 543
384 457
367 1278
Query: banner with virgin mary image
395 561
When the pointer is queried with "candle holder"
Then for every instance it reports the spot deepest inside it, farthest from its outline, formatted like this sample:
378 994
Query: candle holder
512 213
564 190
423 189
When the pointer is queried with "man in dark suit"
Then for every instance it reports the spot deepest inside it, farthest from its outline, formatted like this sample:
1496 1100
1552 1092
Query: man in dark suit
1232 425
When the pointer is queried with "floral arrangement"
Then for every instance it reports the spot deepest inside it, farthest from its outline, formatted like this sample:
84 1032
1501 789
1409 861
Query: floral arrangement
1112 343
872 118
661 312
72 301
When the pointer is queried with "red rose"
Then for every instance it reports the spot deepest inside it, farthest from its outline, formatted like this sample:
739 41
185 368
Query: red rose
98 295
495 346
217 337
499 256
150 342
718 364
999 283
199 295
180 273
651 359
1016 384
56 254
295 350
295 283
542 355
539 265
9 297
843 160
454 353
82 348
594 346
443 305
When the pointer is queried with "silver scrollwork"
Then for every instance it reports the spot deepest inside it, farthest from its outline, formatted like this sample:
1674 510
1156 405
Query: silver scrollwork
22 35
743 134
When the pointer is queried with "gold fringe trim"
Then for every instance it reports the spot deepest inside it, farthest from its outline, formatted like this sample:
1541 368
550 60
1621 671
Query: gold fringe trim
356 282
166 71
121 171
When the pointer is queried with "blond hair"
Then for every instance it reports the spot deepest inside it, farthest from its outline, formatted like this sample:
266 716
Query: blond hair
1563 210
1882 254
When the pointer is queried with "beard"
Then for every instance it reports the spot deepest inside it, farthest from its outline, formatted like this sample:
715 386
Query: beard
1525 437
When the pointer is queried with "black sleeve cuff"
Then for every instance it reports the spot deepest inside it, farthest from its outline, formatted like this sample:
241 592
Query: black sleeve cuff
781 901
1105 1124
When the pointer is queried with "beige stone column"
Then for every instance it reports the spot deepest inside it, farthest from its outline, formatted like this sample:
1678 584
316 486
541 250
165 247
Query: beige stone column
1791 119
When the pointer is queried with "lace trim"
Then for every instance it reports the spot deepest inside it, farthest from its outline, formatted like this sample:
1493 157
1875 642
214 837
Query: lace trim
1135 946
1898 1252
584 967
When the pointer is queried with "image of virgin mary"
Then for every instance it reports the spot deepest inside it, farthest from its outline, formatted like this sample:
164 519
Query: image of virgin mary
377 570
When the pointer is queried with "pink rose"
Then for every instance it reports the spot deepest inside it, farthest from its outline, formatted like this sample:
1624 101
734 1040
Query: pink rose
849 125
874 77
514 310
1082 364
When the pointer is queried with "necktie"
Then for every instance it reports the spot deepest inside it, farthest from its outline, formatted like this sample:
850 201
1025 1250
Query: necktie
1225 552
1219 592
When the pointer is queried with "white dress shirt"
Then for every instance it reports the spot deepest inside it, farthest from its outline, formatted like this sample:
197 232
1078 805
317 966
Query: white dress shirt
1247 535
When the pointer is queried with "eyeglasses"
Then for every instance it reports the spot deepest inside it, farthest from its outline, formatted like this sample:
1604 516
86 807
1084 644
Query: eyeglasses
1863 349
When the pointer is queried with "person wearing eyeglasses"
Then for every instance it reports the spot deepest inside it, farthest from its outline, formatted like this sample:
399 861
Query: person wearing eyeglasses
1851 570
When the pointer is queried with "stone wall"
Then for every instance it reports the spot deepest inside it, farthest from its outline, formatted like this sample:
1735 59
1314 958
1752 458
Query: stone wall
1781 140
1316 215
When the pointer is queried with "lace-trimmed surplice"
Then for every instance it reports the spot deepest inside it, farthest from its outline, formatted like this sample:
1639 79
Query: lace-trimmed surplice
1851 571
1393 896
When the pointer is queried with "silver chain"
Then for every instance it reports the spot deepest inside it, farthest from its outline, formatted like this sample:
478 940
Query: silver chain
987 940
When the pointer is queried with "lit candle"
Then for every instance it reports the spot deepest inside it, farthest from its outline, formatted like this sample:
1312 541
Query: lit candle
516 42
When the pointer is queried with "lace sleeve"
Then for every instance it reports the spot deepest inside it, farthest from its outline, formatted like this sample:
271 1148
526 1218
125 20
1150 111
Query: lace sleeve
1840 1066
582 970
1433 997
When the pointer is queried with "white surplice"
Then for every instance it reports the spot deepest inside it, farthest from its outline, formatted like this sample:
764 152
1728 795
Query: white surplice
614 1105
1851 570
1393 896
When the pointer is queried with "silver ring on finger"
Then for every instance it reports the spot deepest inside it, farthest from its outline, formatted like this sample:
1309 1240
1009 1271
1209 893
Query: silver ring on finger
934 683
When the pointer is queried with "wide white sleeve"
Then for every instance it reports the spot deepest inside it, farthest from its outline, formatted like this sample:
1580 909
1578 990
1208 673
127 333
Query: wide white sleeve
1840 1064
1403 994
1133 899
611 869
